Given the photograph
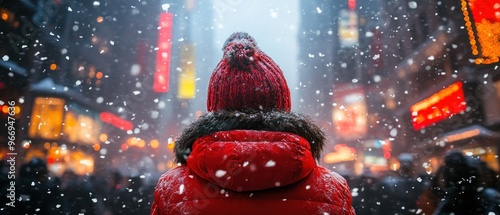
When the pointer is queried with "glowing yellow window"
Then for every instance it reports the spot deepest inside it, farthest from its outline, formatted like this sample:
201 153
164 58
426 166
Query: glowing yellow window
46 118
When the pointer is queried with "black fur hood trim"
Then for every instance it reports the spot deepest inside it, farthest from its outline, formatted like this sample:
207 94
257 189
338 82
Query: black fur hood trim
250 120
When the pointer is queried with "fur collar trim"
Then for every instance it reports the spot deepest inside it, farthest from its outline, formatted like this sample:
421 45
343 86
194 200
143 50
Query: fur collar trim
250 120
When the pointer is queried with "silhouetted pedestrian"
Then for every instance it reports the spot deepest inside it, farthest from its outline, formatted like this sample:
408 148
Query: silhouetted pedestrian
463 191
433 193
35 193
398 193
135 199
78 193
364 193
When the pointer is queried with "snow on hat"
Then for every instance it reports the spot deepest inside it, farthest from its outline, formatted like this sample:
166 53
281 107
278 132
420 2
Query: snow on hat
247 79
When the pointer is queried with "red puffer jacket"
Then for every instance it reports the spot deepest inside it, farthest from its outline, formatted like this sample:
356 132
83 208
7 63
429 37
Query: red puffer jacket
251 172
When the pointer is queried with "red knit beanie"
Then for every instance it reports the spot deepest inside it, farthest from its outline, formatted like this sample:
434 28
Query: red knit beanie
247 79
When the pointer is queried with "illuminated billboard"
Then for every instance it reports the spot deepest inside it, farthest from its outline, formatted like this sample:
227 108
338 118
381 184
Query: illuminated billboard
439 106
348 28
57 119
349 112
187 75
482 21
341 153
116 121
164 53
46 118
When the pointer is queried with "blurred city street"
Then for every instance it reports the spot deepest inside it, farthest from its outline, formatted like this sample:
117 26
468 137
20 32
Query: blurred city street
94 94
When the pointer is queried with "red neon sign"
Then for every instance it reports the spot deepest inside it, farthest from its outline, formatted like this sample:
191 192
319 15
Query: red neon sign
342 153
351 4
441 105
482 21
163 56
116 121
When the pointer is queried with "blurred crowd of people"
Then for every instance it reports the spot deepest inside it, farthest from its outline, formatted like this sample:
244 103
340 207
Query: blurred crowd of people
37 191
462 185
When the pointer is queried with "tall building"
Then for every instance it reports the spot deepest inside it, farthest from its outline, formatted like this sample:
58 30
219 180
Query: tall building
338 43
18 36
76 110
81 76
316 73
102 84
378 73
447 79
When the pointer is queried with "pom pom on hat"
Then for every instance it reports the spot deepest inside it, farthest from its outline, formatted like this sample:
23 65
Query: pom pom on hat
247 79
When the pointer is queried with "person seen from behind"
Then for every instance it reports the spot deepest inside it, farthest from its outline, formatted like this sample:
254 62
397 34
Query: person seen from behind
36 192
250 154
398 194
463 192
432 193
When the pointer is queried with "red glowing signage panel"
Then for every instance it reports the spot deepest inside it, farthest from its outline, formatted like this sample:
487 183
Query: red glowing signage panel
116 121
349 113
163 56
441 105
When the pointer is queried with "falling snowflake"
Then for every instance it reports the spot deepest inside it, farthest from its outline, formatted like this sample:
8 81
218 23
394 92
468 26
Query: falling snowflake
220 173
270 163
